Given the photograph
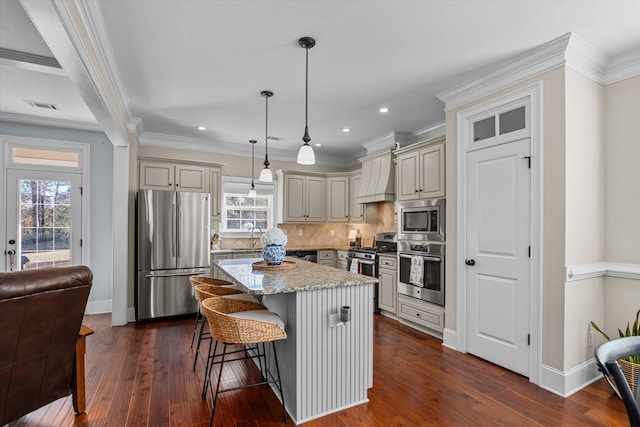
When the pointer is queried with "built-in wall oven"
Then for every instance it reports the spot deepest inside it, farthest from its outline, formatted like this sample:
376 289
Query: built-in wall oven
421 271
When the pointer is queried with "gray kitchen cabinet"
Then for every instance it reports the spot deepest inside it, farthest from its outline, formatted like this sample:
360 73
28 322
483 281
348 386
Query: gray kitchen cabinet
341 260
422 313
327 258
302 197
421 171
338 199
157 175
216 196
388 285
356 210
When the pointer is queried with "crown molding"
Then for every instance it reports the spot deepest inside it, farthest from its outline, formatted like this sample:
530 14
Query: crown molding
47 121
242 150
567 50
392 139
432 131
623 67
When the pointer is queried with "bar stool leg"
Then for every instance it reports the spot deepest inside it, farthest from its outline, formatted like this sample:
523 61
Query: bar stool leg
195 327
195 357
208 369
215 397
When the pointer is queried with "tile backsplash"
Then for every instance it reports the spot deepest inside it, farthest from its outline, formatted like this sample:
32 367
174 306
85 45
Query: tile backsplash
330 235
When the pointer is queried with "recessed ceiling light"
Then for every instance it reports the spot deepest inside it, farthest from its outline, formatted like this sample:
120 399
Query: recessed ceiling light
202 128
384 110
346 130
317 144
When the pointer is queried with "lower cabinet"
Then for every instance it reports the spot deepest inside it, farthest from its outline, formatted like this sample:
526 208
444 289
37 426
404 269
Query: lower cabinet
327 258
388 285
341 261
421 313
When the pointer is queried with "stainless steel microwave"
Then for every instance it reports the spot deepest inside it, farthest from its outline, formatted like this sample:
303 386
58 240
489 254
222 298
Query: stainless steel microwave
422 220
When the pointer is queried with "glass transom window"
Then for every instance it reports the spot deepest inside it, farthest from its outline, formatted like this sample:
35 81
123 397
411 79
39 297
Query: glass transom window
241 213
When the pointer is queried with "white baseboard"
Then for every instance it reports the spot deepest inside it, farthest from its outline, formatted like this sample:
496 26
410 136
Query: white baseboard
566 383
450 339
99 307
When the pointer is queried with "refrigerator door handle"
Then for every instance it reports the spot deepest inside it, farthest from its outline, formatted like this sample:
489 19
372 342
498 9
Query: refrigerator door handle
178 227
173 230
192 273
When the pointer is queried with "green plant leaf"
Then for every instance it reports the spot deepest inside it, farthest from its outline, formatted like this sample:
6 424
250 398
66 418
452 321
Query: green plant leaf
594 326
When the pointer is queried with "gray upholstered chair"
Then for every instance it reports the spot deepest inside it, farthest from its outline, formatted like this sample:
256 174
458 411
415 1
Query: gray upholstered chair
607 357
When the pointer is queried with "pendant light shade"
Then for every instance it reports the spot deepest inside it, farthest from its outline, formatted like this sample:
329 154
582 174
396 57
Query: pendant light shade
252 192
265 175
306 155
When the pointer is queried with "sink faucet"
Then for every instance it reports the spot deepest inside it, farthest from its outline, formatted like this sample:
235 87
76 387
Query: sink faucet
251 241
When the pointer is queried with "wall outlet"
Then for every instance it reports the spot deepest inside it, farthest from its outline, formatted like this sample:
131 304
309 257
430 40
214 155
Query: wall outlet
332 233
299 231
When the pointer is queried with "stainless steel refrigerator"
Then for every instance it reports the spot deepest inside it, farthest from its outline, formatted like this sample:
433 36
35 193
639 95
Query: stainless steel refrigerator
172 245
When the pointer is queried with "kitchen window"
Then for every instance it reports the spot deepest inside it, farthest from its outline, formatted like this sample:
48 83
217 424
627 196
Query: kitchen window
240 212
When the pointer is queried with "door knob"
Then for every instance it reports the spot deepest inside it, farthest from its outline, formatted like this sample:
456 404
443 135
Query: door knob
470 261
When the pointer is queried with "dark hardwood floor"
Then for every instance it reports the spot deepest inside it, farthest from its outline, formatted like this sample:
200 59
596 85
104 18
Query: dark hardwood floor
140 375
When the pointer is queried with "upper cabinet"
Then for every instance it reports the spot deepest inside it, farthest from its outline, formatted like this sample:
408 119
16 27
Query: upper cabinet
216 193
302 197
356 210
421 170
338 199
156 175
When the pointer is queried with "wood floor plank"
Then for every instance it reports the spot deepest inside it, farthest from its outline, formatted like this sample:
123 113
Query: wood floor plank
141 375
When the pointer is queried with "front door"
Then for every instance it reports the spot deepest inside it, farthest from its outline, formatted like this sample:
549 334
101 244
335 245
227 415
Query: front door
498 260
44 219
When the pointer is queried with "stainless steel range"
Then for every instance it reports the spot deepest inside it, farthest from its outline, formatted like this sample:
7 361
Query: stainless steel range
368 260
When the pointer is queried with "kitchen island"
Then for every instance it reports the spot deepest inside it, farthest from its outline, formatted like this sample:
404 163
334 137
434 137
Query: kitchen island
326 365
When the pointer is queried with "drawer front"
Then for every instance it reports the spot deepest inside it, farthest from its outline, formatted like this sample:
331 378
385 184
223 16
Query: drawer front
329 262
387 262
342 255
326 255
423 314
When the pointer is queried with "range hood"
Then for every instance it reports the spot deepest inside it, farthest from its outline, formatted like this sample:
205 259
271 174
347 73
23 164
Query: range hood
378 169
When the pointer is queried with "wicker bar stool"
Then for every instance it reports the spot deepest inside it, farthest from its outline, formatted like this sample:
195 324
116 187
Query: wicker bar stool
233 322
209 291
204 280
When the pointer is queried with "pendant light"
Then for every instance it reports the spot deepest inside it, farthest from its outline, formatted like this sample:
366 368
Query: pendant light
265 175
252 192
305 155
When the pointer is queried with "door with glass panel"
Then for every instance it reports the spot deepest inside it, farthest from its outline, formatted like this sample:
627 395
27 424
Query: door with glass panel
44 219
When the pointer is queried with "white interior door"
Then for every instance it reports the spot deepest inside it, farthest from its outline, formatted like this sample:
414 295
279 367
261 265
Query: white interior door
44 219
498 257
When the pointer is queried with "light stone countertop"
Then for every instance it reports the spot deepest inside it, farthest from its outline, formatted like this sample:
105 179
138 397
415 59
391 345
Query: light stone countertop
307 276
259 249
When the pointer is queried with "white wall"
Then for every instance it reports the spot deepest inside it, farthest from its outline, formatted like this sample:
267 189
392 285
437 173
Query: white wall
622 200
100 193
584 210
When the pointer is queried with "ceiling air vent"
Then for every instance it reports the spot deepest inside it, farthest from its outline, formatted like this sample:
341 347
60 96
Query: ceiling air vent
45 105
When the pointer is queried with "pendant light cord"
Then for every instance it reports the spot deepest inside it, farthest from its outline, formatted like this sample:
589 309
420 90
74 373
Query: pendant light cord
266 133
306 95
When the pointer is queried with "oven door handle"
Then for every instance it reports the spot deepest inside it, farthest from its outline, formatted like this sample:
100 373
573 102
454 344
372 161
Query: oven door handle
365 261
426 258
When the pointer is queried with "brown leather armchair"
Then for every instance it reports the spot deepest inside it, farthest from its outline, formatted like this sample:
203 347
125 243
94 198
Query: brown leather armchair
41 314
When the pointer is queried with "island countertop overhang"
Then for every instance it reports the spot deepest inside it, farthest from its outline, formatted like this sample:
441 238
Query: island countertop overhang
306 276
